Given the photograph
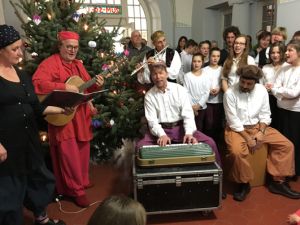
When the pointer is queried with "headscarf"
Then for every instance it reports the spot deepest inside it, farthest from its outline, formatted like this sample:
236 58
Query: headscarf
8 35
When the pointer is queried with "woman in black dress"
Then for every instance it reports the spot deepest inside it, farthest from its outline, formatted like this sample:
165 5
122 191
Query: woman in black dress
24 178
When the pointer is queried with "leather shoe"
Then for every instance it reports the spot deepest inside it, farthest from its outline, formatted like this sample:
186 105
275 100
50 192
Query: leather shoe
282 188
243 191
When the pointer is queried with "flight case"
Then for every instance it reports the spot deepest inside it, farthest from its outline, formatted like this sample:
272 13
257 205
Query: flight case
172 189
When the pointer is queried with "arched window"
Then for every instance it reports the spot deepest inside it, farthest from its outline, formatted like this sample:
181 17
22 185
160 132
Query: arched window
131 14
136 15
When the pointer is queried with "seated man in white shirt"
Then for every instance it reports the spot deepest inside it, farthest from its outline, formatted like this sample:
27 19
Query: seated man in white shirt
169 114
169 56
247 112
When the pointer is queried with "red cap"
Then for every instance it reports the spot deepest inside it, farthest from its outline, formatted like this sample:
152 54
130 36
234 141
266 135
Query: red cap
65 35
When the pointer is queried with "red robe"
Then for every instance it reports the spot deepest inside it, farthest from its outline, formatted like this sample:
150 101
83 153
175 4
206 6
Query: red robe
51 75
69 144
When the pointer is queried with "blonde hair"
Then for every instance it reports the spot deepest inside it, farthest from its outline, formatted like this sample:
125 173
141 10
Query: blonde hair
280 31
157 34
119 210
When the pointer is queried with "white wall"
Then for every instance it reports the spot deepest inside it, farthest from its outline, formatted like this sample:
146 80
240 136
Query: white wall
208 23
2 20
288 15
10 17
183 20
166 8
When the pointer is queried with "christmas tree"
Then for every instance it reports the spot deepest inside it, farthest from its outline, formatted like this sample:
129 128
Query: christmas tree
119 111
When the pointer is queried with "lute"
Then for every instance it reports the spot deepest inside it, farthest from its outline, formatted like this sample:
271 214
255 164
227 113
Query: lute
62 119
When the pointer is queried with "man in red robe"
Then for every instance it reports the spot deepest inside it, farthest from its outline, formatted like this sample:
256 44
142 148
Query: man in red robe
69 144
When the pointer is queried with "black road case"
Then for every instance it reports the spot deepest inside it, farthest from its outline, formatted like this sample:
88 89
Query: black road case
178 188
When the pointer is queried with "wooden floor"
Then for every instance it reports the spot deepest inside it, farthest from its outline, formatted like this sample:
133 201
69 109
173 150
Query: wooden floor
260 208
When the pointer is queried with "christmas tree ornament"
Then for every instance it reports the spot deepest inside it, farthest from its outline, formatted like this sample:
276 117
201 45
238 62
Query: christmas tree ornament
126 52
92 44
104 67
96 123
76 17
111 122
36 19
34 55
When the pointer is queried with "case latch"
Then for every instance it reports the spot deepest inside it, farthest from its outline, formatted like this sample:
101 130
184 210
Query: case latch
178 181
140 183
216 178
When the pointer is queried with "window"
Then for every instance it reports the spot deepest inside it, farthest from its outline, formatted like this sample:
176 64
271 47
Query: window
137 17
268 17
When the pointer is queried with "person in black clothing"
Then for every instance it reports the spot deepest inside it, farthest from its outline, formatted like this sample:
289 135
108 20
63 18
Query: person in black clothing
229 35
278 34
24 178
181 44
263 41
136 47
160 53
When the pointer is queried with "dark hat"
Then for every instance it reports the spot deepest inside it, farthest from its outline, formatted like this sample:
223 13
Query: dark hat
250 72
8 35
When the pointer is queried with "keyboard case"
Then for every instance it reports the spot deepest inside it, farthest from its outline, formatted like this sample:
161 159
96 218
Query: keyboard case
173 189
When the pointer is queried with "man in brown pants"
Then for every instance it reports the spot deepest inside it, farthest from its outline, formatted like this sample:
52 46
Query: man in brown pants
247 112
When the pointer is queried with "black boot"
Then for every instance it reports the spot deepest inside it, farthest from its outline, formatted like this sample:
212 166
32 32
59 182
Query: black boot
282 188
242 192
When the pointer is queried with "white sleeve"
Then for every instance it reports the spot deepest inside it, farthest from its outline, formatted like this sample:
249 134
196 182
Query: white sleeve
144 77
152 117
280 92
231 113
187 112
250 60
175 66
265 113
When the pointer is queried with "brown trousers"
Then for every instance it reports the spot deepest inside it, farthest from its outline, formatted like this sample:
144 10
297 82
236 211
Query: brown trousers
280 160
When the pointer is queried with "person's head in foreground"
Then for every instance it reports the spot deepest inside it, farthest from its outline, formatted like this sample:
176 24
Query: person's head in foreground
119 210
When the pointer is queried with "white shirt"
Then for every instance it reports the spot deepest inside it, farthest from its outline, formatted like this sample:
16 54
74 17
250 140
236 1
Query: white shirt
287 88
186 65
198 88
186 61
233 78
173 70
167 107
215 76
270 73
246 108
